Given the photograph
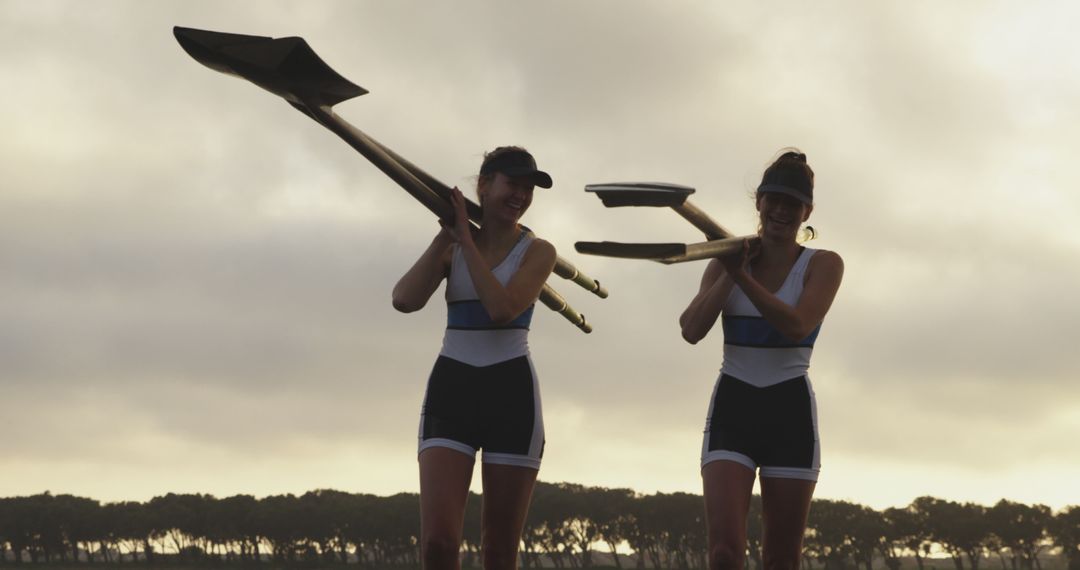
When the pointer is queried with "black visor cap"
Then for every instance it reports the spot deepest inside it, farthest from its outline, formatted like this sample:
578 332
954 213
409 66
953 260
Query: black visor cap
517 164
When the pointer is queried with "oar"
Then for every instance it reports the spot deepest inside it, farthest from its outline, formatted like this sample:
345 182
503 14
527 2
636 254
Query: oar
663 195
289 68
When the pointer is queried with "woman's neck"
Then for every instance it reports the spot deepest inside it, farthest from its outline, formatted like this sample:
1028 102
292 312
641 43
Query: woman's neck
779 251
498 232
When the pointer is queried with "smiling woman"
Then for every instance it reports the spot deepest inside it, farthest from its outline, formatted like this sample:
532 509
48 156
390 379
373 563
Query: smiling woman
762 416
482 392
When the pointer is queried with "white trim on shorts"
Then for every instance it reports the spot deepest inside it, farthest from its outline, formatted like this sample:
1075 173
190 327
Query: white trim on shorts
510 459
725 455
765 471
447 443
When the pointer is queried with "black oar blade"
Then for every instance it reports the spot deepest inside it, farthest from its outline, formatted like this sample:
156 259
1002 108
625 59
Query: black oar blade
654 194
654 251
287 67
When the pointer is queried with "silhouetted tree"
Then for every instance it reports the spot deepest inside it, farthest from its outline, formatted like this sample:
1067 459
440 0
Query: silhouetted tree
682 524
908 525
582 528
361 523
19 522
1064 528
830 528
1021 529
183 521
639 533
609 509
960 529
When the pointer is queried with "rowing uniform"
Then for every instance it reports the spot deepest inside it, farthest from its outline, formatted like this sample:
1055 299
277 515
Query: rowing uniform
762 413
482 392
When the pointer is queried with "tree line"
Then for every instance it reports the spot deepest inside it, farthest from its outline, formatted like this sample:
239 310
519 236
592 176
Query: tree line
568 525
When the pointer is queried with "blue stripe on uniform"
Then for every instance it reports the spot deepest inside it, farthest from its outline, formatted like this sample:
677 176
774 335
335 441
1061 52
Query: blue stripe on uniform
471 315
758 333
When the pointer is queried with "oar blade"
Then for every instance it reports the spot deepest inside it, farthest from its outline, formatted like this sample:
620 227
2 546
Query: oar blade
287 67
652 194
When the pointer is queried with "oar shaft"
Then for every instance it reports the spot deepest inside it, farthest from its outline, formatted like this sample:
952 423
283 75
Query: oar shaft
472 209
702 221
709 249
375 153
726 246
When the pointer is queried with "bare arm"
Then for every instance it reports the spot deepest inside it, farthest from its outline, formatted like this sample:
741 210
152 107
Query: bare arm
823 277
701 314
504 303
415 288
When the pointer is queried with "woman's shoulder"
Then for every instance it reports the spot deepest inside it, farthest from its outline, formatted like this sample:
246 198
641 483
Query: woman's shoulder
540 247
825 260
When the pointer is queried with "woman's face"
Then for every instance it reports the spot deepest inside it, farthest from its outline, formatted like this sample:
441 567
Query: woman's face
506 197
781 215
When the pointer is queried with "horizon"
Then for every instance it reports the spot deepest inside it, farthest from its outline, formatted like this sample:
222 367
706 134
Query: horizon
479 492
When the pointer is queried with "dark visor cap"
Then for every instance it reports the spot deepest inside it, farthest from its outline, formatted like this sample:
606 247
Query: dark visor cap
804 195
517 163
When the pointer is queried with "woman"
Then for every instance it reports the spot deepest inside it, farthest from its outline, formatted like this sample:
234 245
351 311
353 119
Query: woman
773 296
482 392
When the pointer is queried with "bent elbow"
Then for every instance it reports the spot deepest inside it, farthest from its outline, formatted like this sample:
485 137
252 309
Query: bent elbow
502 316
797 333
404 306
691 337
502 319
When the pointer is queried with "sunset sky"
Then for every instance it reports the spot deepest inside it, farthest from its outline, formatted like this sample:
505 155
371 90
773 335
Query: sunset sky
195 279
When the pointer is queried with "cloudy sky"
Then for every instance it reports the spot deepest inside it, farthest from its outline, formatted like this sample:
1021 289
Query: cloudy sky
195 279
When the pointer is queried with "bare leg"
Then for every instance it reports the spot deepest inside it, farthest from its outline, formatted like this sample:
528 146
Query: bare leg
444 488
507 492
785 504
728 486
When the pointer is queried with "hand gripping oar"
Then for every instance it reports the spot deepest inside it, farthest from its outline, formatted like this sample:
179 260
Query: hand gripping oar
289 68
657 194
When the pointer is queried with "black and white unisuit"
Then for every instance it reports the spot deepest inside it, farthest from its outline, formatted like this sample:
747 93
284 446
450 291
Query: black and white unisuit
763 413
482 393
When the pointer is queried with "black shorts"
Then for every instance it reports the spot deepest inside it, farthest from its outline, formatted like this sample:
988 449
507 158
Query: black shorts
773 428
495 408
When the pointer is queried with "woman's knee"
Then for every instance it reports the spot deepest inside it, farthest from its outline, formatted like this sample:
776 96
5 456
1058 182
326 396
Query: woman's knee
440 551
500 556
724 556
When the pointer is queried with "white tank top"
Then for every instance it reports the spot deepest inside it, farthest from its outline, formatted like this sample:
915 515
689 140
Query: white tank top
470 335
754 351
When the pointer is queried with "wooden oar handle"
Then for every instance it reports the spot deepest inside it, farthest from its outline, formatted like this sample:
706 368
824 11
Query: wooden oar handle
566 270
555 302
